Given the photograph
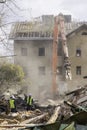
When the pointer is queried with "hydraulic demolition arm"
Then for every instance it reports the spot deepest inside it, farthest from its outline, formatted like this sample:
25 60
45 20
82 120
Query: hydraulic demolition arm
67 65
59 33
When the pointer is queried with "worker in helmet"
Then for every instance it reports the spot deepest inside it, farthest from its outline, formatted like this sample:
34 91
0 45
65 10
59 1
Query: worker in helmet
29 102
12 104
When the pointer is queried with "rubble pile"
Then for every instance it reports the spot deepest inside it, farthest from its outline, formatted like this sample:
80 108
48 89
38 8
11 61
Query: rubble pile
72 109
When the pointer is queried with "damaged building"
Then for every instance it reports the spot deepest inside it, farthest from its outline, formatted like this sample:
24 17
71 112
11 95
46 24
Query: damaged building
77 43
33 44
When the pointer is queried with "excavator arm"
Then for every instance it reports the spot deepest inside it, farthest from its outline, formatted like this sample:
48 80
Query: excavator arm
67 64
59 33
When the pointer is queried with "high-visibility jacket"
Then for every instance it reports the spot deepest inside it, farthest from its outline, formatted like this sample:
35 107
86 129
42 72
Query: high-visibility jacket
29 100
12 103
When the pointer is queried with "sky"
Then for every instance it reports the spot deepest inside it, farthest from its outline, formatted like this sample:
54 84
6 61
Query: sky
21 10
35 8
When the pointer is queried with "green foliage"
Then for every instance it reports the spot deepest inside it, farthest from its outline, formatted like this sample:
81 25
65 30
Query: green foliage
10 73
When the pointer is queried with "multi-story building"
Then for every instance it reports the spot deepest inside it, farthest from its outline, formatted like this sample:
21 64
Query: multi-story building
33 45
77 44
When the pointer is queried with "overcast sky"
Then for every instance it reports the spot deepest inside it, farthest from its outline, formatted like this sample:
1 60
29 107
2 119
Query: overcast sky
35 8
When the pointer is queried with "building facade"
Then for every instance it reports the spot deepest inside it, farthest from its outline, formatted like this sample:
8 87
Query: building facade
33 47
77 44
35 56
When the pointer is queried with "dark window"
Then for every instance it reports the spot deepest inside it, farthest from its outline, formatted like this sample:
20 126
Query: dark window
78 70
41 51
78 52
19 34
25 34
42 70
24 51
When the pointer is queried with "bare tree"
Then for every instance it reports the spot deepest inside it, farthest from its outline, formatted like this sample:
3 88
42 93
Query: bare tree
9 11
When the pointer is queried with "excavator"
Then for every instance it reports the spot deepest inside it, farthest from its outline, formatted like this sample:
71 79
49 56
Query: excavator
59 33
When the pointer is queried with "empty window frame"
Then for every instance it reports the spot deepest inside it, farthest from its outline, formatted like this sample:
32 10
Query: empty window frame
78 52
19 34
24 51
25 34
78 70
42 70
41 51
